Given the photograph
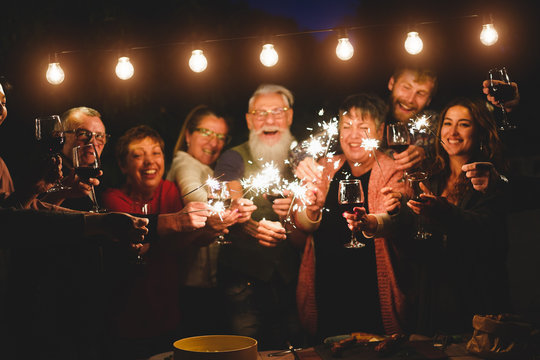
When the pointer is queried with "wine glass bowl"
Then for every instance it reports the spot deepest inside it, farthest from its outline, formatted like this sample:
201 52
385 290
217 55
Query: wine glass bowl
351 195
50 136
398 138
86 164
502 90
414 180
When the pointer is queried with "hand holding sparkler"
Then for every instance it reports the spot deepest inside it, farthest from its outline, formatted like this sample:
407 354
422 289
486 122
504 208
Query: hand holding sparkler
270 233
193 216
245 208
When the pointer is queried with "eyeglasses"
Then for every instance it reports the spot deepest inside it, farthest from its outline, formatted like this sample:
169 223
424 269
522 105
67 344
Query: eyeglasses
86 135
278 113
209 133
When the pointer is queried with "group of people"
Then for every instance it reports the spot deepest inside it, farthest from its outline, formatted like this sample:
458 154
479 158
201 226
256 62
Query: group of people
128 282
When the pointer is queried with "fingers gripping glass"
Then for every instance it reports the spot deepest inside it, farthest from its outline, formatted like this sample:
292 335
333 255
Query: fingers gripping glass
414 180
501 89
224 138
87 165
351 195
49 133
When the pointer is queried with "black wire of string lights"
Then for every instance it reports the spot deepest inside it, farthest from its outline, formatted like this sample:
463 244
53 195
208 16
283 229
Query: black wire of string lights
269 56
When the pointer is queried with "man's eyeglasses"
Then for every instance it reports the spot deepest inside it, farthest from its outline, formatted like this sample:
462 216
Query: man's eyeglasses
86 135
278 113
209 133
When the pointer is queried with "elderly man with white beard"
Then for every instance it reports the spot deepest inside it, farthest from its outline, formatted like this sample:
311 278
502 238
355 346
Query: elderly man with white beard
258 271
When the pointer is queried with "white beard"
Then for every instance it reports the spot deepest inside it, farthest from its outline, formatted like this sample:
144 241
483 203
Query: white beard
277 153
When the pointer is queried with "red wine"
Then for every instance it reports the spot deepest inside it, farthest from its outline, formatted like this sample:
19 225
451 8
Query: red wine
502 92
349 207
414 181
52 144
398 148
87 172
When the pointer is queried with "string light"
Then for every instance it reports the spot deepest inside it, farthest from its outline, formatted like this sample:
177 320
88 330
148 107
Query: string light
489 35
124 68
344 48
197 61
413 43
269 56
55 74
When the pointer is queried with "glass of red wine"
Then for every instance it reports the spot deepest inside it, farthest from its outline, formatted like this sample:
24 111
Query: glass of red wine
219 199
287 221
49 133
501 89
413 180
351 195
87 165
398 139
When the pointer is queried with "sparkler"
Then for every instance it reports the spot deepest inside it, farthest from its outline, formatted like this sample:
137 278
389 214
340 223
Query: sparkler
370 144
209 182
261 182
421 124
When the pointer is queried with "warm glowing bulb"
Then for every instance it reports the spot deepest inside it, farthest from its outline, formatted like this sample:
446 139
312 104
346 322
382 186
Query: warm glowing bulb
344 49
197 61
55 74
489 35
124 68
269 56
413 44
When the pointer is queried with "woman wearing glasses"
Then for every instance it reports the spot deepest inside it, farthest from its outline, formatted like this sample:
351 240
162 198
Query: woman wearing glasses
202 138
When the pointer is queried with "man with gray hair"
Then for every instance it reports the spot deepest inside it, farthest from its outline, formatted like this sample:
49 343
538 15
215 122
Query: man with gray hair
82 125
258 270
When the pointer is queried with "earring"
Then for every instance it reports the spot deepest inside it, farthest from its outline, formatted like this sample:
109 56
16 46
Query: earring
481 145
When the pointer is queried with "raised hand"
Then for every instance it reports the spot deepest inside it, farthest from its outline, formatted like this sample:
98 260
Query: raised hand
193 216
309 171
359 220
480 174
509 104
392 200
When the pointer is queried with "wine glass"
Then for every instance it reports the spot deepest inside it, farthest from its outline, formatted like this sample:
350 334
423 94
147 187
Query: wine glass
287 222
49 133
413 180
87 165
398 139
351 195
502 90
219 199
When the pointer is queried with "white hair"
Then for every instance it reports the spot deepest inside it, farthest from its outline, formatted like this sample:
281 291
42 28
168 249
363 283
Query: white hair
272 89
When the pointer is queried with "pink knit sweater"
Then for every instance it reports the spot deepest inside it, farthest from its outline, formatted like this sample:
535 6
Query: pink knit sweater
392 300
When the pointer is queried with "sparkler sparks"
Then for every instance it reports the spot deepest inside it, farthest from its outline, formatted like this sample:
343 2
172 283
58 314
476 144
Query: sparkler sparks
263 181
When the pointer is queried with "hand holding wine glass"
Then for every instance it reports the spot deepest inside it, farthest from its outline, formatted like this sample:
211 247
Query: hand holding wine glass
414 180
351 195
49 133
502 90
87 165
398 138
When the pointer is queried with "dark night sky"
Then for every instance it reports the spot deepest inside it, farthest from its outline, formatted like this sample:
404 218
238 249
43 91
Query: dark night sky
163 89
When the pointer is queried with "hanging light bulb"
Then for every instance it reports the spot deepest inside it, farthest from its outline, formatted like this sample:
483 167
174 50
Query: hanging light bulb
124 68
269 56
413 43
489 35
55 75
197 61
344 48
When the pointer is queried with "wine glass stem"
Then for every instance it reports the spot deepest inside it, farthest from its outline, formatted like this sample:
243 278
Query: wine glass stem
93 198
